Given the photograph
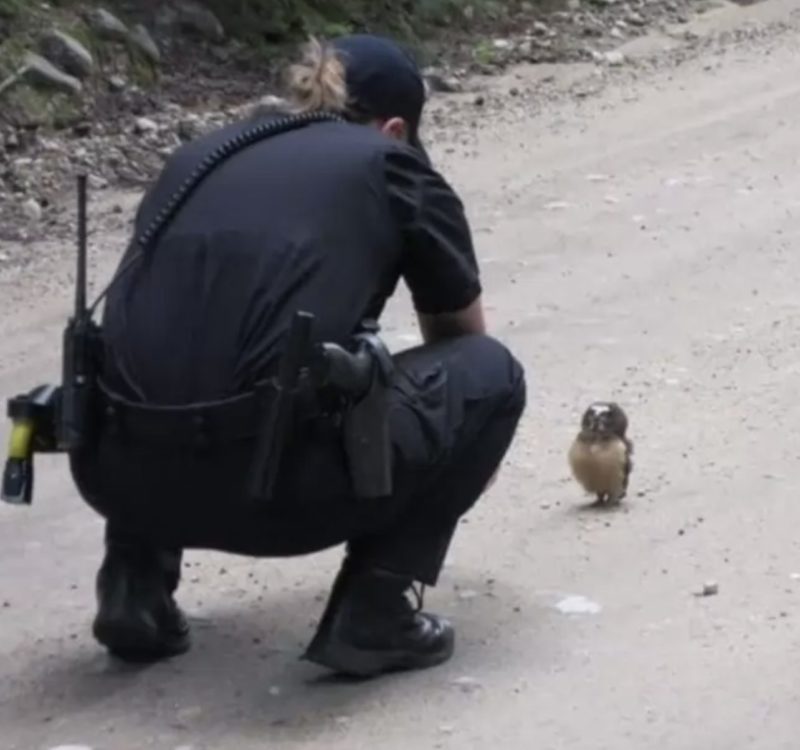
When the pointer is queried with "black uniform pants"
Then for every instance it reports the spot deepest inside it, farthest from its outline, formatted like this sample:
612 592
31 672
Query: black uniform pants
455 410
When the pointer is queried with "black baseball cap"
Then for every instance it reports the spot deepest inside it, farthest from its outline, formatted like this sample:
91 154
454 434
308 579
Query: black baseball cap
384 80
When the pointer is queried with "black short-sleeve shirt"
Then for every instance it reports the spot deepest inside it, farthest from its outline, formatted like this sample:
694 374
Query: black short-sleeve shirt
438 259
326 219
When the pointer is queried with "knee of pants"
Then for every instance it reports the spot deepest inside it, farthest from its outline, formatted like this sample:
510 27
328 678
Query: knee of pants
502 376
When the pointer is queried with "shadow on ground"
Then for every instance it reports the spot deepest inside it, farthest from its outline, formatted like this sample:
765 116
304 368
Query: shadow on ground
245 670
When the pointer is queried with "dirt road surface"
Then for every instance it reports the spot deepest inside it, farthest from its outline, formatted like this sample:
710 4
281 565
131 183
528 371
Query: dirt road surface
638 242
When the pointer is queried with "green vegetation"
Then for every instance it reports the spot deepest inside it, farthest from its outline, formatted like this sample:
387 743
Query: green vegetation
9 9
266 27
283 20
263 24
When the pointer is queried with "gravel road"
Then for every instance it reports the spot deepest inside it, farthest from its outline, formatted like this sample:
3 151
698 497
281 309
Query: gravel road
638 237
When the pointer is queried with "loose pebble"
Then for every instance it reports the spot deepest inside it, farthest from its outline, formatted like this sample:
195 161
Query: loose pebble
145 125
32 209
710 588
466 594
467 684
578 605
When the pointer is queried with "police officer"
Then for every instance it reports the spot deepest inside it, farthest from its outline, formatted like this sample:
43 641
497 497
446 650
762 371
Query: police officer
327 218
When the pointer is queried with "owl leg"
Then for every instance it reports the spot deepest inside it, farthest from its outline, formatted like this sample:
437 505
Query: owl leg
628 468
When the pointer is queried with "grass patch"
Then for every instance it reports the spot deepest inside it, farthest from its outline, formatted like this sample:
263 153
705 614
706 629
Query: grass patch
10 9
26 107
485 53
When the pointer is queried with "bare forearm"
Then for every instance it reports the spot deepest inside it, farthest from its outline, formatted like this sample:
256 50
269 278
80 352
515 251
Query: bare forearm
470 320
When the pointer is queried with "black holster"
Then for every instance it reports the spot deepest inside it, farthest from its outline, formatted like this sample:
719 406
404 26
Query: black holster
360 380
366 432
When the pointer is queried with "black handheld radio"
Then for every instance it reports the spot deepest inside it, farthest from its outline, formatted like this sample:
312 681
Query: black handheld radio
49 418
81 348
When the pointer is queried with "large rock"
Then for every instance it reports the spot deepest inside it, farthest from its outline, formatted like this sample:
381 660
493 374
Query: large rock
11 81
106 25
194 18
200 20
43 74
442 84
141 38
67 53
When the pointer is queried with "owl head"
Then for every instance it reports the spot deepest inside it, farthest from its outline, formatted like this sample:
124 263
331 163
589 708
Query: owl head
605 418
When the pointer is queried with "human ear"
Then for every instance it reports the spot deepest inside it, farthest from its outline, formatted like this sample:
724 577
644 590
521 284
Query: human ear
395 127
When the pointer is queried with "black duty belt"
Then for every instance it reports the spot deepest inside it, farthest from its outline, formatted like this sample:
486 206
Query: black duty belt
238 418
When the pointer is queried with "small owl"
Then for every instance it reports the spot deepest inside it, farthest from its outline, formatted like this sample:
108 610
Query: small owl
601 455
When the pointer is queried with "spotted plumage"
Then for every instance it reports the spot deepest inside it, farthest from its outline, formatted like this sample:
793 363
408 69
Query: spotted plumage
601 456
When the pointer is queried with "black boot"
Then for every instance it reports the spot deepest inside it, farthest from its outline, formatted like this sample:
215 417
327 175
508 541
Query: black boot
138 619
369 627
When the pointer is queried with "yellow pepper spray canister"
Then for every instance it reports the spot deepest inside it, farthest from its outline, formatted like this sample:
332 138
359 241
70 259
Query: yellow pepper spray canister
18 473
32 420
21 442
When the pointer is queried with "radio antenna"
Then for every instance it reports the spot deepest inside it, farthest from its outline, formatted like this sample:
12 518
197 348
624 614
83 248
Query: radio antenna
80 277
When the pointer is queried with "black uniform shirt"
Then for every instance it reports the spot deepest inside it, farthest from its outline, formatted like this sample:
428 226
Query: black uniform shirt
327 219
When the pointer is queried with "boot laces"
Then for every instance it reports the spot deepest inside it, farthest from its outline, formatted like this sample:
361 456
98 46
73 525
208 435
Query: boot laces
418 590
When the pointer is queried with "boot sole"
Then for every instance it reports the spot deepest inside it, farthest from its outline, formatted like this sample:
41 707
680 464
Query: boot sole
355 662
129 643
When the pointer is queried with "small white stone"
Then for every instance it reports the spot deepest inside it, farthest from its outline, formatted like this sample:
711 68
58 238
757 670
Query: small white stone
32 209
145 125
614 58
578 605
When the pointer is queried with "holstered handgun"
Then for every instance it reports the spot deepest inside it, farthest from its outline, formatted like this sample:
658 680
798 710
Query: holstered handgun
362 377
367 438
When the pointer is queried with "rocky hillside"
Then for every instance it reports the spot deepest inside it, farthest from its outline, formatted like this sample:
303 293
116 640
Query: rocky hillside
114 88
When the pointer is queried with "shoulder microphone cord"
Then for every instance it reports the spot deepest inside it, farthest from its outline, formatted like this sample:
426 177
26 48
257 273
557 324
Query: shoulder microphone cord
228 149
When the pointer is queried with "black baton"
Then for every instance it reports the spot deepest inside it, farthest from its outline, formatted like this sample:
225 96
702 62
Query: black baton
269 446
